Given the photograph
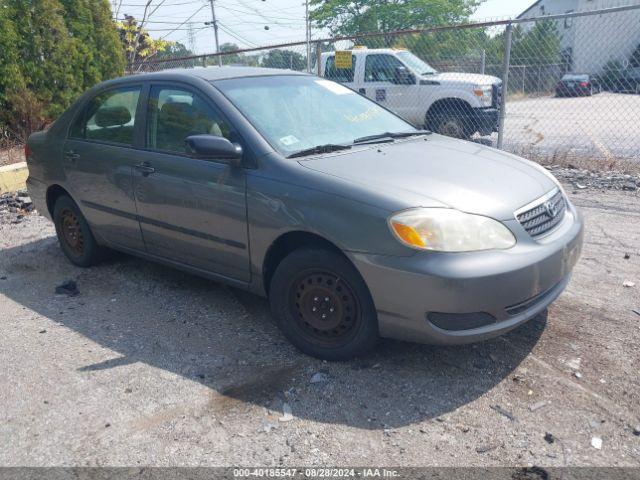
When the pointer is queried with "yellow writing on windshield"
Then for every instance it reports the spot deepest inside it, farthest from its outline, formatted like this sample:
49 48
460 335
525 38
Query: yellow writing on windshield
366 115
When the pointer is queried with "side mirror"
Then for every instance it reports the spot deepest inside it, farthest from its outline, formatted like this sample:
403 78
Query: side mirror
212 147
402 76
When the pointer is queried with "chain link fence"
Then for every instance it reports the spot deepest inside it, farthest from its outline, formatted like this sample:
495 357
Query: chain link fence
557 88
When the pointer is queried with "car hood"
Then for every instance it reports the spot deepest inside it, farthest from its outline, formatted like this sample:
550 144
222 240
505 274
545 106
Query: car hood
470 78
439 171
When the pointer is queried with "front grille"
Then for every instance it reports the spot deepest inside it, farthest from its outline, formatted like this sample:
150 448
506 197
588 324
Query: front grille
496 95
543 216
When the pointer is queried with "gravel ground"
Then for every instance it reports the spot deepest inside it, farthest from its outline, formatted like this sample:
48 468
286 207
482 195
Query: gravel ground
150 366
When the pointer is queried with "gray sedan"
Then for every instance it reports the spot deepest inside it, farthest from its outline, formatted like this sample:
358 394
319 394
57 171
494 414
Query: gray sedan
354 224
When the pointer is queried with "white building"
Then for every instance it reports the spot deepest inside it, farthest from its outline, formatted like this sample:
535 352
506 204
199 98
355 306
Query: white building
589 42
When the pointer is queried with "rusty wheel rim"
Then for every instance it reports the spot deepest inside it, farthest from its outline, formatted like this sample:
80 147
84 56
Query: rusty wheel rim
72 232
324 308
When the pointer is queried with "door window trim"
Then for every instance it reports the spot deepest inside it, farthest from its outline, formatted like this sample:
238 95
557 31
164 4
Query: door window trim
187 88
83 110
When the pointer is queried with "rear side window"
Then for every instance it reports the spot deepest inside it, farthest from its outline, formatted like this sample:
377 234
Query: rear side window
109 117
174 114
342 75
380 68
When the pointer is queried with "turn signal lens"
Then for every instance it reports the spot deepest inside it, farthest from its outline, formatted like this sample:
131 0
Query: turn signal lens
408 234
449 230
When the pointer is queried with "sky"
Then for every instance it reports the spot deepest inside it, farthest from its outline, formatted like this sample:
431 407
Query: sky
243 22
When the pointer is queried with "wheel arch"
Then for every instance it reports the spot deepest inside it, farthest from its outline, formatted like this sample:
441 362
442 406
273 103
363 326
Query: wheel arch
287 243
54 192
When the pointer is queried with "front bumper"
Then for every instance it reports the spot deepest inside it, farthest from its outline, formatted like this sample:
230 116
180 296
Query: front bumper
485 120
454 298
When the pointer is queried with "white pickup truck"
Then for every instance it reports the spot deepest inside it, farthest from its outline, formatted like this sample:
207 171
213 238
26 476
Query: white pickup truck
453 104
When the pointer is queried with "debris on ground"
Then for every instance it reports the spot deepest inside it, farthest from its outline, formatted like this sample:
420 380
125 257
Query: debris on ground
636 311
69 288
636 430
549 438
319 378
627 256
502 411
286 413
603 180
577 375
487 448
628 283
538 406
14 206
596 442
574 363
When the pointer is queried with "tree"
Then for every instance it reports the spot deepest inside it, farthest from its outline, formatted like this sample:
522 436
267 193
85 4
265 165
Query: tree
138 45
277 58
351 17
95 38
231 58
539 45
47 55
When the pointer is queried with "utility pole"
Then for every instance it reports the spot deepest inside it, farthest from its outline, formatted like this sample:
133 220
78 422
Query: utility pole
308 25
215 30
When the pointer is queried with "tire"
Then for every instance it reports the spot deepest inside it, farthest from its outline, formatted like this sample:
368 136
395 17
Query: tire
322 305
75 237
451 124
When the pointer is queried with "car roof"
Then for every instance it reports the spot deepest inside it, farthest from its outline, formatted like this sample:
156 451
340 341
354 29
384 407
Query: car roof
209 74
364 50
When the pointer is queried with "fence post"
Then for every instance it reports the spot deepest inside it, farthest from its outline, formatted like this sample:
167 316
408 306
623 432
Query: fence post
318 58
204 60
505 83
483 61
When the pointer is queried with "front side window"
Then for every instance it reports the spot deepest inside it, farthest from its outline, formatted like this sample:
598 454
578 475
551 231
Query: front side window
109 117
381 68
297 112
342 75
174 114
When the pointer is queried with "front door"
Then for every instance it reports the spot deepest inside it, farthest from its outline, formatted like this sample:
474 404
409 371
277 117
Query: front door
191 211
98 164
379 76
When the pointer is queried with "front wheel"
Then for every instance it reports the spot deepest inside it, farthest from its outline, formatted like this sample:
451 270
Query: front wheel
451 125
322 305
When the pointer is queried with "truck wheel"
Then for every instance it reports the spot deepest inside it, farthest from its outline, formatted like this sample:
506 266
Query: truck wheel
451 125
75 237
322 305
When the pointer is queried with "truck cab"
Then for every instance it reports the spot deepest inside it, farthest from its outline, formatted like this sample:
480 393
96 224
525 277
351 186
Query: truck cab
450 103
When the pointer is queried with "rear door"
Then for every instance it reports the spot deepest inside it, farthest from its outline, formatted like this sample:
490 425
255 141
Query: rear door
191 211
341 75
98 164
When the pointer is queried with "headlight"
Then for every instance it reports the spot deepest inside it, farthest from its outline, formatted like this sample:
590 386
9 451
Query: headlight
449 230
484 94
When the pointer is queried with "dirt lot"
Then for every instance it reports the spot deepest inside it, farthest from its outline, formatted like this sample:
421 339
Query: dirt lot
150 366
605 126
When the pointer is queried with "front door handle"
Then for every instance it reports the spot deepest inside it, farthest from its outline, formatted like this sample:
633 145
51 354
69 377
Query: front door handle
362 91
145 168
71 156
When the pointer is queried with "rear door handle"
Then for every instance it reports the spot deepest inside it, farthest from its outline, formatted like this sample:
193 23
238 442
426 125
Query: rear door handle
71 156
145 168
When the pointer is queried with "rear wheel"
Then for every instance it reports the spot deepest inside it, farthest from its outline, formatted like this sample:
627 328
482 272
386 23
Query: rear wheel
322 305
75 237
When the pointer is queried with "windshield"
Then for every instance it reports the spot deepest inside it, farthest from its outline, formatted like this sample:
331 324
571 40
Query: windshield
416 64
298 112
576 77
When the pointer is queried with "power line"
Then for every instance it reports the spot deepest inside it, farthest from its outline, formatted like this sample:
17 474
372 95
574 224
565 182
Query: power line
194 14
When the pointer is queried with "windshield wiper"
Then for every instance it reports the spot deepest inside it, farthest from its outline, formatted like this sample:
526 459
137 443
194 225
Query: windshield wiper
389 136
329 147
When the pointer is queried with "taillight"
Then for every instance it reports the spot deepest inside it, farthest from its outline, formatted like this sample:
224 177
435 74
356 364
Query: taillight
584 84
27 151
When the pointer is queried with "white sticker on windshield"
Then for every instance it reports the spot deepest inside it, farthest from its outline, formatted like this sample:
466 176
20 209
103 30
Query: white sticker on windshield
288 140
335 87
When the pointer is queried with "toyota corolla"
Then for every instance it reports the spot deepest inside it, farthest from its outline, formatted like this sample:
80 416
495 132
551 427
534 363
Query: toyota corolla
353 223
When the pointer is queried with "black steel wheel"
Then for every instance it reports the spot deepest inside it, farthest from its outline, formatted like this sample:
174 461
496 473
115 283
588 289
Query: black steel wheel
322 305
74 235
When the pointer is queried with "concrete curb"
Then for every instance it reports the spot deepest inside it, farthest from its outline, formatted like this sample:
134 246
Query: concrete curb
13 177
